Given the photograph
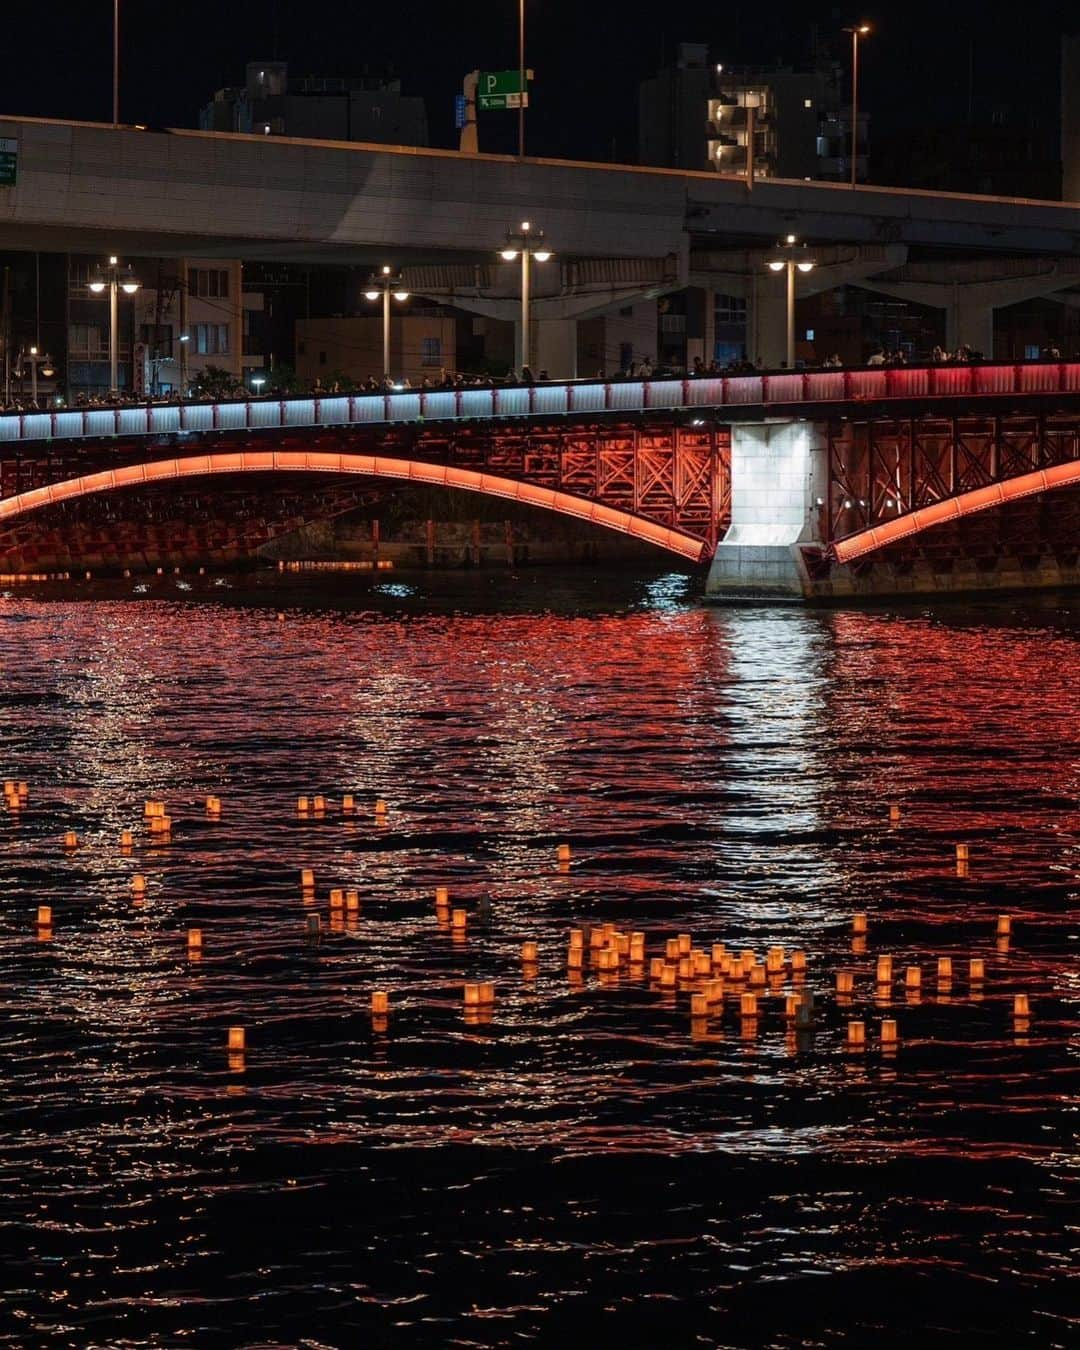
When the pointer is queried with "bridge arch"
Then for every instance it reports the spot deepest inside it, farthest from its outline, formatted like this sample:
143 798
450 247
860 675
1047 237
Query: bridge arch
372 466
953 508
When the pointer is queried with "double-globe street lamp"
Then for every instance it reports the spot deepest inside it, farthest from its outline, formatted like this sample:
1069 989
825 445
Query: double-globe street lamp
386 284
790 256
115 279
30 357
527 244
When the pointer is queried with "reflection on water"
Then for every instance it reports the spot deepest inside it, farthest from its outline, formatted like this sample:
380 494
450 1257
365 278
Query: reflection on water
586 1164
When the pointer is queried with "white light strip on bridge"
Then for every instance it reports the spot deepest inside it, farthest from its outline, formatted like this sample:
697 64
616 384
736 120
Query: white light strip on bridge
733 393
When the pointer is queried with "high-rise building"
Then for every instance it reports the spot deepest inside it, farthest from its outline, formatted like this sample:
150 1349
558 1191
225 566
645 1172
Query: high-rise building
357 108
695 114
1070 117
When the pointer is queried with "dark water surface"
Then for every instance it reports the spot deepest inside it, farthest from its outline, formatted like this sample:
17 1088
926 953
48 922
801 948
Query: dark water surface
584 1169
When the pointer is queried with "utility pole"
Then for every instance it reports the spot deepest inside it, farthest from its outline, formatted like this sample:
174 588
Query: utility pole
522 96
116 64
5 331
159 312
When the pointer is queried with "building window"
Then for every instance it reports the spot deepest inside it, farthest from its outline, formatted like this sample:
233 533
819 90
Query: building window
431 351
729 309
208 283
808 102
322 358
86 342
301 348
212 339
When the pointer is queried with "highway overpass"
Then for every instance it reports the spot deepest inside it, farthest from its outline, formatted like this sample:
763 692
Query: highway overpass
85 187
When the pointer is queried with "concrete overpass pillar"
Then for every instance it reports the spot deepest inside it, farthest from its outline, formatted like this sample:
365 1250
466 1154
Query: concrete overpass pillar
967 320
768 323
778 473
969 297
553 347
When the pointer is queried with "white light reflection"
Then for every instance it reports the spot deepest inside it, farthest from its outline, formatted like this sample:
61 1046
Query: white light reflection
669 592
776 763
114 758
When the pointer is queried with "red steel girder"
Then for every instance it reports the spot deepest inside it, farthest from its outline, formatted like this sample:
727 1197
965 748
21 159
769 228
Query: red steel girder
656 469
882 468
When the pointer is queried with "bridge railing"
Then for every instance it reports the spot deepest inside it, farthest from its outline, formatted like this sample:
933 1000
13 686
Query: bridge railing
580 397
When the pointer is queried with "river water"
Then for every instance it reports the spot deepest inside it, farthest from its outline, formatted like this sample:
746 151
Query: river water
589 1166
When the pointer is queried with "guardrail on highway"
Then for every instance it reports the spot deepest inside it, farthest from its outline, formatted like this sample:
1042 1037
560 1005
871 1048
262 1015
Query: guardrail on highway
579 398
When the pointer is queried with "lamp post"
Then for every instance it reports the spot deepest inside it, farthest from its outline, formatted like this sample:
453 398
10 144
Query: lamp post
529 244
860 30
386 284
792 257
185 339
116 281
31 356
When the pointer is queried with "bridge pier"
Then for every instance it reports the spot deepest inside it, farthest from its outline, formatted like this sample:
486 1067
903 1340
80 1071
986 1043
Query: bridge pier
779 472
807 495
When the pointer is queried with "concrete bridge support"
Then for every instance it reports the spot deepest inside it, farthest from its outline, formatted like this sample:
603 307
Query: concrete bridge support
779 473
562 294
745 274
970 292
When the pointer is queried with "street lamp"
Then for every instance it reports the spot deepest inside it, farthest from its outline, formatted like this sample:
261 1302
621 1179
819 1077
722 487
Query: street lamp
792 257
386 284
115 280
257 382
529 244
185 339
857 32
31 357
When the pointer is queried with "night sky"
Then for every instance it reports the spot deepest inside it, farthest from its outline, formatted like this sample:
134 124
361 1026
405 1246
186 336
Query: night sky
588 55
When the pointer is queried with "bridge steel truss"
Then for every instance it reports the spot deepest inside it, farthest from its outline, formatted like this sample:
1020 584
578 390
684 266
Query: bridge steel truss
662 472
890 477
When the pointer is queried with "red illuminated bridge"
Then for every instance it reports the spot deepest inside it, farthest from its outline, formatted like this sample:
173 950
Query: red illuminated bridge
837 468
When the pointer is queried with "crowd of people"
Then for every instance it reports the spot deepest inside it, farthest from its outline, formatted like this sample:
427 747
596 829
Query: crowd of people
459 380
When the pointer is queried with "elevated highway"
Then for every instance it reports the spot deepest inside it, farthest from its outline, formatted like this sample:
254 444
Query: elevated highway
86 187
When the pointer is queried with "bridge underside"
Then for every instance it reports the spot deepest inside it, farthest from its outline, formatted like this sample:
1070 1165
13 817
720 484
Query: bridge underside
1031 543
222 523
664 484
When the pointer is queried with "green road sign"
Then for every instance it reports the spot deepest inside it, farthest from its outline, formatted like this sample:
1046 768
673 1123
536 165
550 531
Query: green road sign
497 89
9 161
